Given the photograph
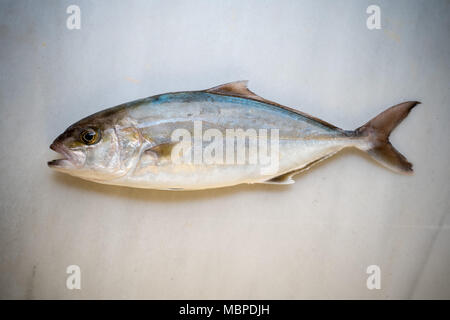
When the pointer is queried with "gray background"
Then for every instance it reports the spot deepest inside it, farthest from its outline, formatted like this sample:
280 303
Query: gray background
313 239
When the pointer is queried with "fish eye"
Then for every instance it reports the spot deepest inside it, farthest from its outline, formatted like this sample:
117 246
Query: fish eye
90 136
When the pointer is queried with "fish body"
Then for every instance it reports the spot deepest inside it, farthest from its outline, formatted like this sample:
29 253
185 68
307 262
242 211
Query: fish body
218 137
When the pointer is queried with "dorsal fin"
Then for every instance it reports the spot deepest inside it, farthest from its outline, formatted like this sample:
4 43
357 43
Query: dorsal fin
236 88
240 89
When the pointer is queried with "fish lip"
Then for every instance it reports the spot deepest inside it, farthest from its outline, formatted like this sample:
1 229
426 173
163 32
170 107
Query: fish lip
66 162
59 163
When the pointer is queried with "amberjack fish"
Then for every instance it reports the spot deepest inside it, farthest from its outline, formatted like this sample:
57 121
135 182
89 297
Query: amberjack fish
219 137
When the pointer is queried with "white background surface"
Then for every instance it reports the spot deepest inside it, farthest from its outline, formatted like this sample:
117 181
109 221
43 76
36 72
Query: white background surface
313 239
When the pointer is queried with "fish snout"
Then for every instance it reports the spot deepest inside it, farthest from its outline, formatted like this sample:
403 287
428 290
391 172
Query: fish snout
68 160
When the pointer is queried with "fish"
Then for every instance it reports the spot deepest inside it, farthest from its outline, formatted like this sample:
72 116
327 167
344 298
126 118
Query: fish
218 137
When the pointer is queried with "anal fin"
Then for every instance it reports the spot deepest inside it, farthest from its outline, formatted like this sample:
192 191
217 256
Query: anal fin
286 178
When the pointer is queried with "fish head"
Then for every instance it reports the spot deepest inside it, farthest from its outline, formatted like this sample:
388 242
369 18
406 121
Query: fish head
100 147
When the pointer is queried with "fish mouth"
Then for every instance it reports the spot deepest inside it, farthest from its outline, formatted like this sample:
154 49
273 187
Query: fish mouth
67 160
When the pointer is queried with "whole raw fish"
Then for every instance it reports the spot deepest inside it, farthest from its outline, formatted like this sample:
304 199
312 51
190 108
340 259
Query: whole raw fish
173 141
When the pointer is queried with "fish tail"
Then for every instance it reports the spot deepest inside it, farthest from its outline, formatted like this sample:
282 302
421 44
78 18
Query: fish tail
376 134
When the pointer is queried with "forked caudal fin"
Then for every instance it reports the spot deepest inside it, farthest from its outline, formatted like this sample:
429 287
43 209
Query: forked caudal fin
377 132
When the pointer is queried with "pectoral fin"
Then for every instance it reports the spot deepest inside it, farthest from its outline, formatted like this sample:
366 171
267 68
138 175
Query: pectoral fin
151 157
163 150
